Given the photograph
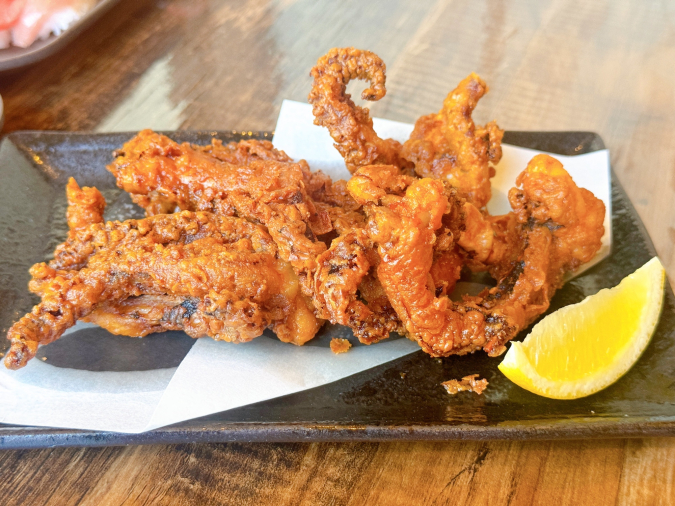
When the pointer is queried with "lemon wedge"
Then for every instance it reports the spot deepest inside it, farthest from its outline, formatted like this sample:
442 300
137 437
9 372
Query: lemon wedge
582 348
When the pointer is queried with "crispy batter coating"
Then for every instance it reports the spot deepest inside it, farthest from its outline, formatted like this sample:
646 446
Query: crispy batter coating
350 126
466 384
331 197
338 345
450 147
559 226
85 205
403 227
244 152
347 295
554 228
382 183
225 270
549 197
143 315
162 175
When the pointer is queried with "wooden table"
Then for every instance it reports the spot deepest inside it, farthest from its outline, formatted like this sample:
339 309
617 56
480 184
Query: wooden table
606 66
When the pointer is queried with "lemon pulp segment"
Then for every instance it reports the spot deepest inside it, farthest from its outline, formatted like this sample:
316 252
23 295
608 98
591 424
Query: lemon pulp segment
585 347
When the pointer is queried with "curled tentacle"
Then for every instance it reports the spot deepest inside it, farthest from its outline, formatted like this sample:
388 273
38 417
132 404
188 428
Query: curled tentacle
560 227
449 146
349 125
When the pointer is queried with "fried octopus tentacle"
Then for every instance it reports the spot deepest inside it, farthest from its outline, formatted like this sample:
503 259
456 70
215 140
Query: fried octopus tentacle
555 227
349 125
449 146
340 275
560 227
145 314
377 184
180 227
241 286
404 230
148 314
163 175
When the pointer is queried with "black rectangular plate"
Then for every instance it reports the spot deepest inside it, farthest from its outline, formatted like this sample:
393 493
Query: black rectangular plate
378 404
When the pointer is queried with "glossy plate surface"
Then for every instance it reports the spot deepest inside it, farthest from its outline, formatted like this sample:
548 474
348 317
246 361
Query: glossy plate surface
378 404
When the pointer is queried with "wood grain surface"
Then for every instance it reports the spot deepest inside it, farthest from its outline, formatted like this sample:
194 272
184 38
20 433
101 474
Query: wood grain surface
605 66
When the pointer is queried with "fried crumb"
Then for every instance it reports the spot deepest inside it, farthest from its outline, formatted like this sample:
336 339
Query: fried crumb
403 375
44 359
468 383
338 345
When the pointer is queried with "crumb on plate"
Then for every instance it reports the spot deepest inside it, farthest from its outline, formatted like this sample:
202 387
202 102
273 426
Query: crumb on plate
338 345
467 384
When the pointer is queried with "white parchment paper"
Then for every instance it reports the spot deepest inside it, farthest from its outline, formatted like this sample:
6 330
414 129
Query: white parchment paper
216 376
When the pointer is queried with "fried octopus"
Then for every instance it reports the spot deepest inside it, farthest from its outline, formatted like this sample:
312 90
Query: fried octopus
295 206
448 146
555 227
426 229
263 186
239 238
350 126
206 274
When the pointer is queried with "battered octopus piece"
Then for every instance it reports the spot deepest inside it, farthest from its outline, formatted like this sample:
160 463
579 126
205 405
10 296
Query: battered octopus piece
231 285
381 183
338 345
333 199
347 291
144 315
162 175
85 205
84 241
554 228
244 152
349 125
450 147
560 227
148 314
346 295
403 228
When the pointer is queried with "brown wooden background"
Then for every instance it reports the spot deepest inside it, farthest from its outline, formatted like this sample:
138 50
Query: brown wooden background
606 66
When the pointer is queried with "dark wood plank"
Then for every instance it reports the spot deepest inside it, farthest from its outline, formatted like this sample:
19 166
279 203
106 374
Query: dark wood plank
576 472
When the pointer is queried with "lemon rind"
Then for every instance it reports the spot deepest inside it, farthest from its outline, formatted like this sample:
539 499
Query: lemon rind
518 368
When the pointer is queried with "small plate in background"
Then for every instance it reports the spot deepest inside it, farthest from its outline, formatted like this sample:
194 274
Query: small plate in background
16 57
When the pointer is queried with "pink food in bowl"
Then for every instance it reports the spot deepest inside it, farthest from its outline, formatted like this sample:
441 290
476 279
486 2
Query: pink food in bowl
22 22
